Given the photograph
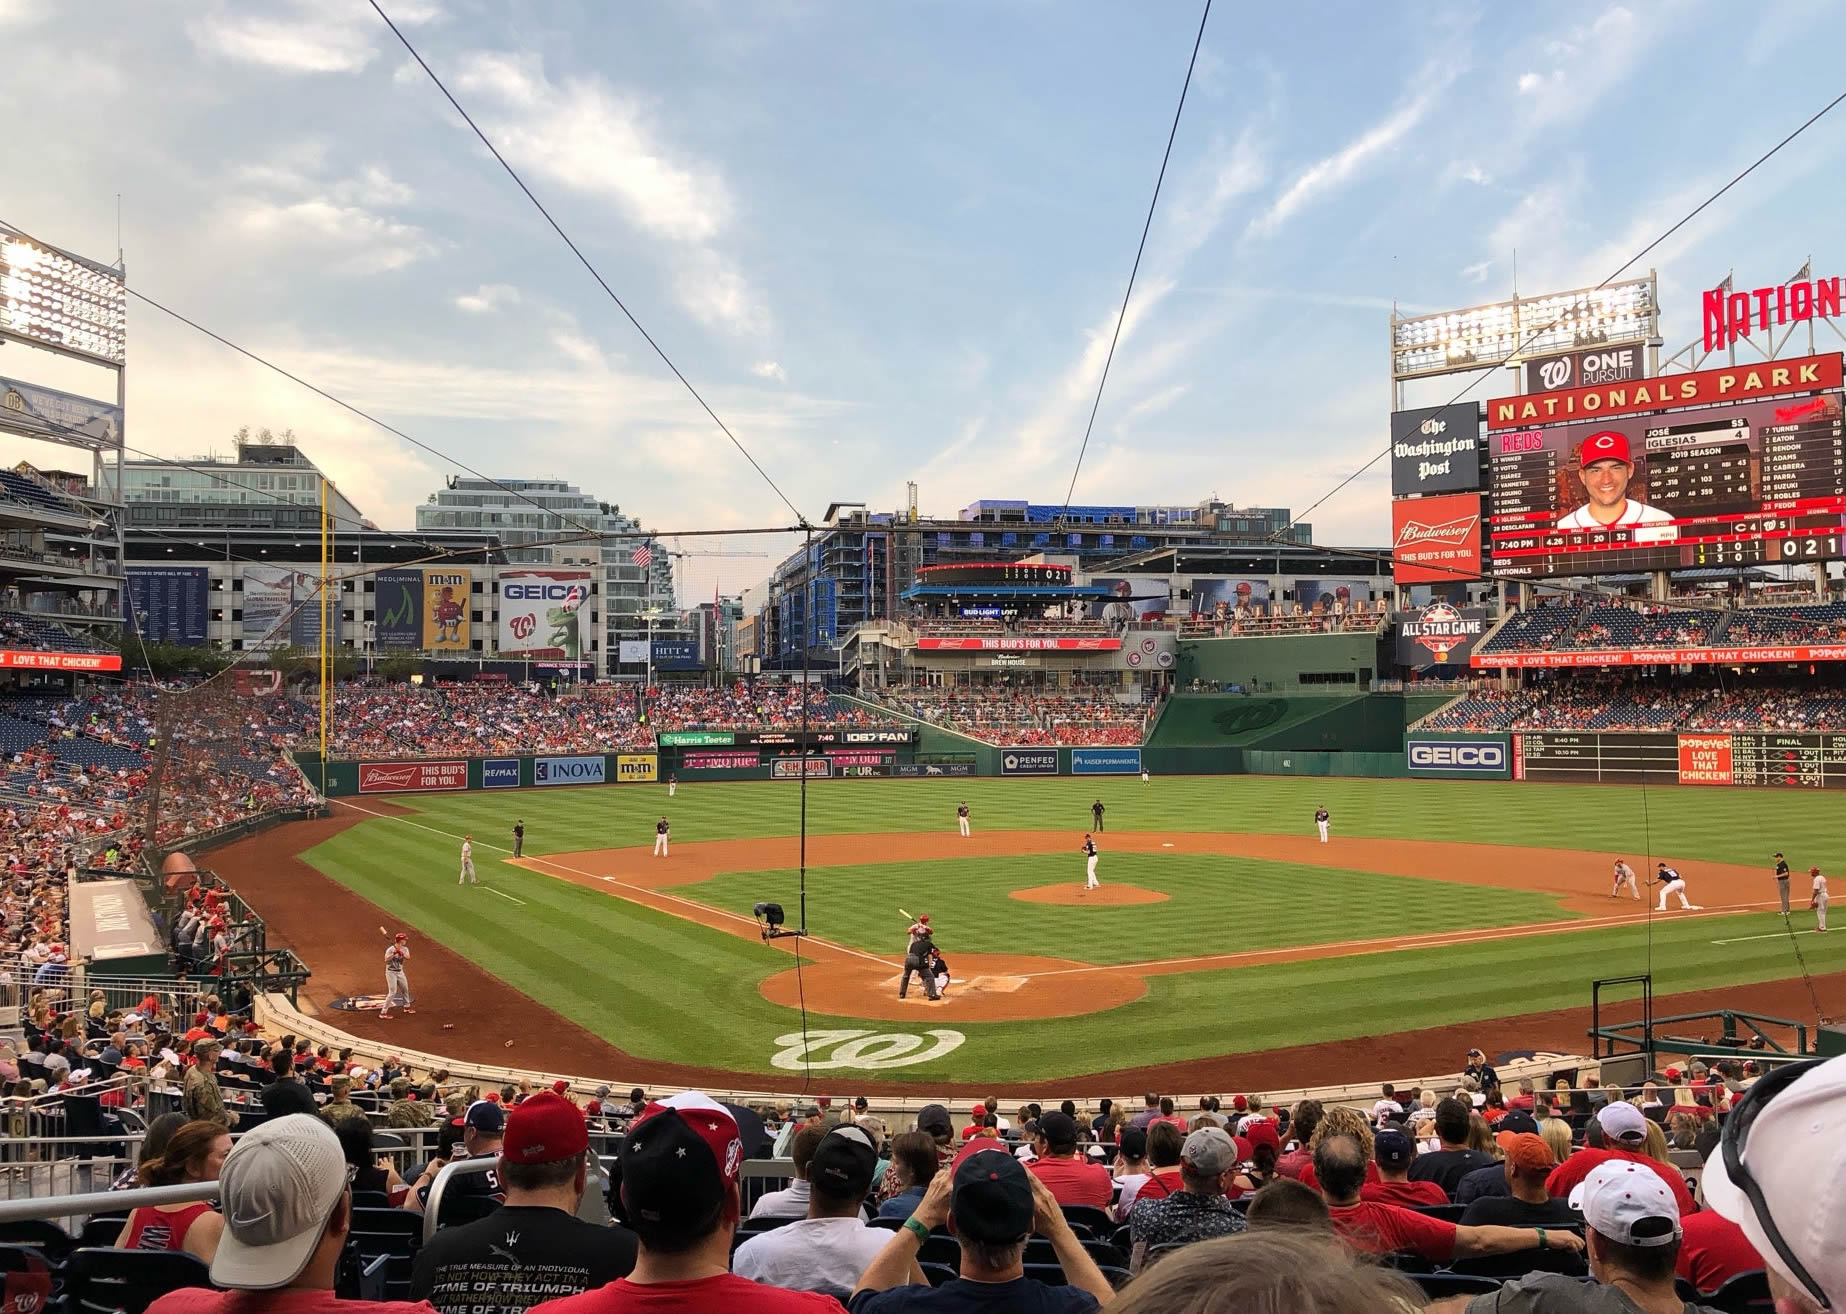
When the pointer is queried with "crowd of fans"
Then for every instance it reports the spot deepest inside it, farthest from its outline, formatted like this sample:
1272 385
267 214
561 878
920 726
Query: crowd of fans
1565 624
1023 714
1636 703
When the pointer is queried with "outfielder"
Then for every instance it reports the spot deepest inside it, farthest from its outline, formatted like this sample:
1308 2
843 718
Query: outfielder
1671 882
961 818
916 959
672 783
1781 881
1321 818
467 867
1144 779
1819 902
1624 875
661 831
519 838
397 983
1089 864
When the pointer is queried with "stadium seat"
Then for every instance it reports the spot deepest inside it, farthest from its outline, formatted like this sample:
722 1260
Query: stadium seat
1746 1293
102 1229
99 1281
45 1237
1440 1286
1096 1221
940 1273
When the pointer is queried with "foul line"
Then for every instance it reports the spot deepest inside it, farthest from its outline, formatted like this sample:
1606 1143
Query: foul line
1773 935
509 898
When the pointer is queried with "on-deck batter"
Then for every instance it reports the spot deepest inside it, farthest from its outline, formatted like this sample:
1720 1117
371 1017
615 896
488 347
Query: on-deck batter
397 981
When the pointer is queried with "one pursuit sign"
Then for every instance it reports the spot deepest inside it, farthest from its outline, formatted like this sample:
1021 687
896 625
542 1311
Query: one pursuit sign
1478 755
567 770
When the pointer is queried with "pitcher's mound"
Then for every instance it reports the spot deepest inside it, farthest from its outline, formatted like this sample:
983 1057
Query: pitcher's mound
1103 896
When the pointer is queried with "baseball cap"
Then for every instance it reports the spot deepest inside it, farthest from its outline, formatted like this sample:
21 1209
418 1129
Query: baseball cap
1517 1123
679 1161
992 1199
279 1186
1608 445
1621 1121
1628 1203
485 1116
844 1163
1528 1153
1210 1151
1058 1128
1671 1074
1392 1149
560 1087
1262 1132
934 1118
1792 1139
1133 1143
545 1128
602 1091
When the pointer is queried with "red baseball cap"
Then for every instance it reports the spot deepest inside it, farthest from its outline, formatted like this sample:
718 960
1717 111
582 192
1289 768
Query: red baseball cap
1608 445
544 1129
1261 1132
560 1087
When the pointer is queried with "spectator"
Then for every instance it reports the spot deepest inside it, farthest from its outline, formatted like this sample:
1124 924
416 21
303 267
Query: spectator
1196 1211
1633 1231
534 1247
1381 1229
287 1214
1395 1153
914 1163
340 1104
1478 1070
792 1200
1265 1144
1491 1181
1454 1161
1163 1152
1148 1114
1098 1125
1342 1121
993 1205
1287 1203
194 1153
1623 1131
483 1128
934 1119
1073 1180
1274 1271
1301 1127
288 1093
1529 1161
201 1099
1713 1250
1130 1169
832 1246
369 1172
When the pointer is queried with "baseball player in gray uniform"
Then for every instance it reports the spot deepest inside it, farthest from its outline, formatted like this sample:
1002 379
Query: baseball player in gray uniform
397 981
467 867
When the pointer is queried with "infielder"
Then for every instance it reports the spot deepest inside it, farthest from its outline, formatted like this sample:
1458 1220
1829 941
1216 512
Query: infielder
661 831
1671 882
1089 864
672 783
1321 818
1781 881
1624 875
467 867
1819 902
916 959
961 818
397 983
519 838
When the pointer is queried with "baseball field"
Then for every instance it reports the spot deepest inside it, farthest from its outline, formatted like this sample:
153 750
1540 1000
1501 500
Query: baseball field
1227 947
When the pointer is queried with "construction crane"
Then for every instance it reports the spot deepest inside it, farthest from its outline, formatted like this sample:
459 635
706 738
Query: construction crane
679 582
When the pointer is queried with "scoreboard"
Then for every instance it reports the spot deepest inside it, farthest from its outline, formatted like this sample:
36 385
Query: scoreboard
1614 759
1758 758
1815 761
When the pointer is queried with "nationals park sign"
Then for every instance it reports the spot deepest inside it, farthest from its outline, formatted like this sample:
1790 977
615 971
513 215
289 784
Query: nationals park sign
1703 388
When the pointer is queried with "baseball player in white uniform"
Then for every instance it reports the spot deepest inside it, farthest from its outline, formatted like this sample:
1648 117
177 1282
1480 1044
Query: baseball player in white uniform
961 818
1819 902
467 867
1089 863
397 982
1624 875
1321 818
1671 882
661 831
1144 776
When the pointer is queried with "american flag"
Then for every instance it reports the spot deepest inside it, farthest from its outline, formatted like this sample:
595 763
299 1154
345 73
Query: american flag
643 556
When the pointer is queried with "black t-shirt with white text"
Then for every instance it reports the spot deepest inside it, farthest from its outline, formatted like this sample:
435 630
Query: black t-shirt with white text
519 1257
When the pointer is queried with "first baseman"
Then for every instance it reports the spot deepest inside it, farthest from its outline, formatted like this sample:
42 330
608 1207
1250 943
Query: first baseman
1624 875
467 867
1089 863
1321 818
1671 882
397 983
961 818
661 831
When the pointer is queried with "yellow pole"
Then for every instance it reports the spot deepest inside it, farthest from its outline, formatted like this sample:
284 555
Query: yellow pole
326 650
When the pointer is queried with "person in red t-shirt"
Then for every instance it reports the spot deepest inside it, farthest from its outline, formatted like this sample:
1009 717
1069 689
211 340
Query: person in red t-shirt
1383 1229
1072 1181
1393 1152
1713 1250
1623 1129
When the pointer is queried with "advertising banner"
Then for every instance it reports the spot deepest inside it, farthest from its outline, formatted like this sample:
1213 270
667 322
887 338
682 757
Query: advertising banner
544 614
170 604
304 621
1132 598
1748 758
44 412
1436 449
1015 643
1436 538
1733 383
500 773
14 660
267 597
916 770
1705 759
1105 761
444 614
904 736
849 757
1586 369
636 768
1459 755
1029 762
719 761
1223 598
1797 652
411 777
1323 594
1763 482
567 770
676 655
397 608
792 768
1439 635
632 650
696 738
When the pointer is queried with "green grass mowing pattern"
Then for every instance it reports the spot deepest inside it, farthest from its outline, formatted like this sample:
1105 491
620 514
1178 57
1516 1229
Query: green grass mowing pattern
1215 905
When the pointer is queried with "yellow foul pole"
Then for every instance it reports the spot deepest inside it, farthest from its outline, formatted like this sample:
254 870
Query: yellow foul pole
326 641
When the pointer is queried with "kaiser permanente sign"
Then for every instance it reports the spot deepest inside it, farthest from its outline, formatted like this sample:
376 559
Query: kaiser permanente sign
1734 383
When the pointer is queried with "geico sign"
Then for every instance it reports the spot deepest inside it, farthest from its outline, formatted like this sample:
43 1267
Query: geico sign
542 592
1462 757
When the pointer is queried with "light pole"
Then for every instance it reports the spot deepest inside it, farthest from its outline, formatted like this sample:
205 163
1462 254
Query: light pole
650 615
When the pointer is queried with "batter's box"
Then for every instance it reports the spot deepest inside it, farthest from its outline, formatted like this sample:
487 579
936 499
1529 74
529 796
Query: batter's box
996 985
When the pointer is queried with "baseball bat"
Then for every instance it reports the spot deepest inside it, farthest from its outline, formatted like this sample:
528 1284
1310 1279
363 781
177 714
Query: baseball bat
382 931
907 916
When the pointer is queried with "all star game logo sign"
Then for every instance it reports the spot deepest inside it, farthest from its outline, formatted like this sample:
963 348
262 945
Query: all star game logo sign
1439 635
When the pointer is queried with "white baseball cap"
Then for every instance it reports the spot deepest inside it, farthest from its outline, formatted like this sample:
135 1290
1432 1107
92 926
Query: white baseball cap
1622 1121
1629 1203
279 1186
1795 1150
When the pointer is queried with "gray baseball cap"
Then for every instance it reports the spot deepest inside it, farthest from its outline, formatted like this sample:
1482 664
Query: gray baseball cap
279 1186
1209 1151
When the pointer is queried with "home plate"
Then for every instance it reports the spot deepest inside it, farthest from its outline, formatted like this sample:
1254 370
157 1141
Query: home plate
1167 844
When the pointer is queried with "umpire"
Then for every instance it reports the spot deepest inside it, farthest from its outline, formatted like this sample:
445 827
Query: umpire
519 837
916 958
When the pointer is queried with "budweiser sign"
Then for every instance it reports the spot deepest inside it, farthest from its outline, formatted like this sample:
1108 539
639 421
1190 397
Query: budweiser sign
1731 315
411 777
1436 539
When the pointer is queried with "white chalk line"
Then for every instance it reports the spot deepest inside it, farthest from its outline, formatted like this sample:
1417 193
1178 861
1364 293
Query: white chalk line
1773 935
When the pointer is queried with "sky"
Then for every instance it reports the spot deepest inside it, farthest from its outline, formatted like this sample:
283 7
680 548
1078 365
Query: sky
889 241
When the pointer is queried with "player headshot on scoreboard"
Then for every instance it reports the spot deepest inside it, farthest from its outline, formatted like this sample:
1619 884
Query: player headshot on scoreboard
1604 466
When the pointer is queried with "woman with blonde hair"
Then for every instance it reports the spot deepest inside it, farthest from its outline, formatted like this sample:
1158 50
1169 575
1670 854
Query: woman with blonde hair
1557 1135
1481 1138
1656 1147
1272 1270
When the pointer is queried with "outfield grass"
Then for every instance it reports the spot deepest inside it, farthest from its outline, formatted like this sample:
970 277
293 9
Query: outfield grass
665 988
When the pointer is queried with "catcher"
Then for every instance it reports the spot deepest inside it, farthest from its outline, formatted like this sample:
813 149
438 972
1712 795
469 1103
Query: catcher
397 982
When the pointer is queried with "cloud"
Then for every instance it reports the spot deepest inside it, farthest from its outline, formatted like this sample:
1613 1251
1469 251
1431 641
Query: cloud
1470 173
339 221
309 36
1477 272
487 298
372 187
1530 82
769 369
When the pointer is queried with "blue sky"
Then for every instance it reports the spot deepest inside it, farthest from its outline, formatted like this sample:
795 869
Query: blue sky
886 239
